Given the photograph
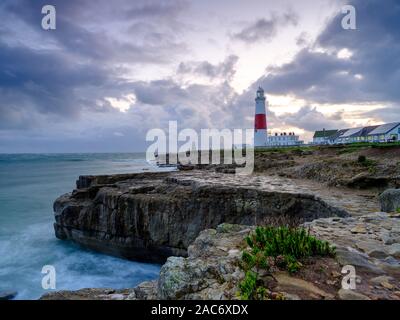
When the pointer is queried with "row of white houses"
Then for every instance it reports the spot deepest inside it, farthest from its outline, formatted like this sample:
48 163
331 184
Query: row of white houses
387 132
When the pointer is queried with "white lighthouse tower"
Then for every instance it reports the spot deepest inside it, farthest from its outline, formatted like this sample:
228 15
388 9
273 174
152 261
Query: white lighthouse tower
260 120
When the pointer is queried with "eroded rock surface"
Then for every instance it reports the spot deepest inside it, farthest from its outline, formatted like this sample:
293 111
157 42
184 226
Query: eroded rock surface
370 243
211 270
335 165
151 216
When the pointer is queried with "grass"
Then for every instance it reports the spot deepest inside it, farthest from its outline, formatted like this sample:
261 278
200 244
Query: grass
283 150
343 148
281 247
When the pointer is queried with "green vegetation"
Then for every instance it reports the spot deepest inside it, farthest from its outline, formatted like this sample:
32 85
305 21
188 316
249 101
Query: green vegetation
342 148
378 145
398 210
368 163
279 247
285 149
362 159
353 147
249 290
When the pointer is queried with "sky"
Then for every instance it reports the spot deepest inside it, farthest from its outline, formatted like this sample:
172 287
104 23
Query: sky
112 70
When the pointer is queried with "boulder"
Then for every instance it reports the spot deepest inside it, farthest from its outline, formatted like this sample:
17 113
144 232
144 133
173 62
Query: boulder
390 200
211 269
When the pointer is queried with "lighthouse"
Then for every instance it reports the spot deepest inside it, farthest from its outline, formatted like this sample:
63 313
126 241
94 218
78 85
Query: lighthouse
260 120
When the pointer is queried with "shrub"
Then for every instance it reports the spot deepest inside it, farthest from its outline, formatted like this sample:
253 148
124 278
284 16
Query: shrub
294 242
370 164
362 159
282 246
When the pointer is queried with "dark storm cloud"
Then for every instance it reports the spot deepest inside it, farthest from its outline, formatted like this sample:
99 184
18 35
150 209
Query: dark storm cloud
159 92
77 66
372 73
40 82
199 98
265 29
122 43
224 70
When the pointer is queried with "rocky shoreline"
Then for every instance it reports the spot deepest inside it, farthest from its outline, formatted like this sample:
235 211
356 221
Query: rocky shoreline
211 269
151 217
195 220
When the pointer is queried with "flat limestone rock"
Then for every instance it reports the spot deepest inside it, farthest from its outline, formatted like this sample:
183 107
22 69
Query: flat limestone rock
286 282
351 257
152 216
90 294
347 294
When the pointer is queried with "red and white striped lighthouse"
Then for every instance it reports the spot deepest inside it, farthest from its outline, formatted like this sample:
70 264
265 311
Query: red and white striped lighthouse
260 120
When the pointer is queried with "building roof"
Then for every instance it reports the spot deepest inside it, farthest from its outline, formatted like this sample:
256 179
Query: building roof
356 132
384 128
350 132
324 133
339 133
364 131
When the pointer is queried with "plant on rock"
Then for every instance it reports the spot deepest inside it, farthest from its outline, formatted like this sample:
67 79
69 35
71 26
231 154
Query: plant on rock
249 289
280 247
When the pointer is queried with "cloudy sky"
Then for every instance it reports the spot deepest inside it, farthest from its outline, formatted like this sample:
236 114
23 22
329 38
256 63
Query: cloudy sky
112 70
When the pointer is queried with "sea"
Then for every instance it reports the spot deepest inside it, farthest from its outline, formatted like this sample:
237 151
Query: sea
29 184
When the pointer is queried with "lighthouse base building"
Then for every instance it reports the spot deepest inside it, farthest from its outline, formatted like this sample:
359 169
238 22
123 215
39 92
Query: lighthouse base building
284 140
261 138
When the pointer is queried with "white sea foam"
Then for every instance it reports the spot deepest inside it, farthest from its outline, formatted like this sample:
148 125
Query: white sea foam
28 187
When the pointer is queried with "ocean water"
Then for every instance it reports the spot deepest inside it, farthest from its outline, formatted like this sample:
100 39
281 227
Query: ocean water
29 184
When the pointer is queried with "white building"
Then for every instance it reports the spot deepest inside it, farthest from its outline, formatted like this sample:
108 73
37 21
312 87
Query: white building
283 140
324 136
387 132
